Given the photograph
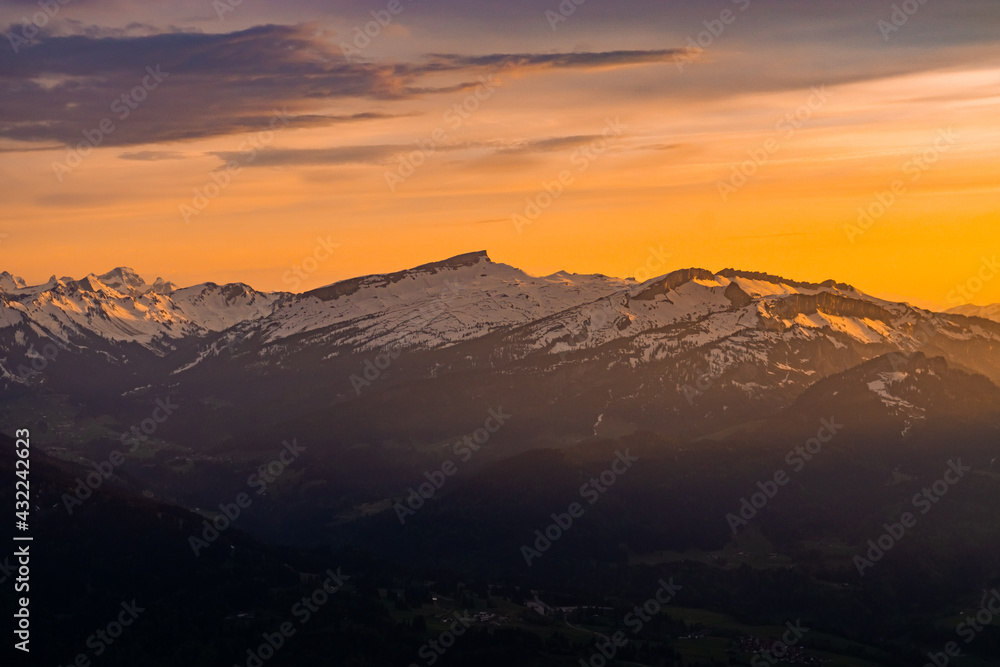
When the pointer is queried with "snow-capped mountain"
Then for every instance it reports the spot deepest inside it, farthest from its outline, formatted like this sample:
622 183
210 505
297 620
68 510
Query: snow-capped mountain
991 312
695 308
9 282
689 352
430 306
120 307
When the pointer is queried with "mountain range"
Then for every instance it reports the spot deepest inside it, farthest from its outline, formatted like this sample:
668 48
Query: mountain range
684 352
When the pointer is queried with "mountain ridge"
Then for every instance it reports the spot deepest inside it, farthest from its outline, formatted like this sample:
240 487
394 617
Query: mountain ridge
679 351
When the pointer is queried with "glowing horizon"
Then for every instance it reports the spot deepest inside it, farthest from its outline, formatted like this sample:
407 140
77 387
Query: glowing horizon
809 143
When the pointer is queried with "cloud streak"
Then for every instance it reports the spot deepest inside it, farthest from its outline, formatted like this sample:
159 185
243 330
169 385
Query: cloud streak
218 84
380 154
535 61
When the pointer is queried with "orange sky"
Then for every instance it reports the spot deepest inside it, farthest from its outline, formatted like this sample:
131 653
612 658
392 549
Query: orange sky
654 181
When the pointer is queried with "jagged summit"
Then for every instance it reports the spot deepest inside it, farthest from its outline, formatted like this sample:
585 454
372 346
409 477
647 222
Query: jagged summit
672 281
161 286
741 285
120 306
778 280
122 277
9 282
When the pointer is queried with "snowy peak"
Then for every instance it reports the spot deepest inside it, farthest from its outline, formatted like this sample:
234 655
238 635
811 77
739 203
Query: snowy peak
119 306
670 282
432 305
991 312
467 259
91 283
353 285
694 308
740 285
161 286
217 307
122 279
9 283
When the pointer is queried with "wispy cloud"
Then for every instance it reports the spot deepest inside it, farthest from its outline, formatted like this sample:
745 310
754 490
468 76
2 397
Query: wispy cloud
152 156
529 61
217 84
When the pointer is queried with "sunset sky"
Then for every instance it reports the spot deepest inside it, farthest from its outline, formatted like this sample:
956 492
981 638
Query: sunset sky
644 108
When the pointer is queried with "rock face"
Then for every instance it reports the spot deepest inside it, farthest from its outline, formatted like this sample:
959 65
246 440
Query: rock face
830 304
671 282
737 296
778 280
